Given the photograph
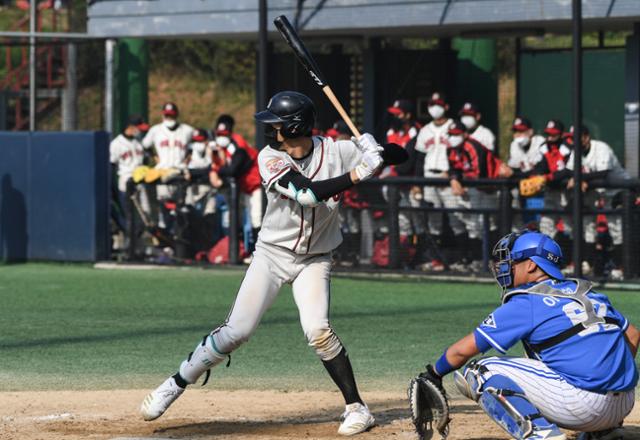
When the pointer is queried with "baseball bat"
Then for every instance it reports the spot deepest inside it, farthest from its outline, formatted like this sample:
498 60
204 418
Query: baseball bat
293 40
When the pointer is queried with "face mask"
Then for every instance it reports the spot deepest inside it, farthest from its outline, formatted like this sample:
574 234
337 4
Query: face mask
523 141
436 111
456 140
198 147
169 123
468 121
223 141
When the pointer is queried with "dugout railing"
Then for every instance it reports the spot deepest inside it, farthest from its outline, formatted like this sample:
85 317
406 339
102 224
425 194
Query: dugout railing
392 204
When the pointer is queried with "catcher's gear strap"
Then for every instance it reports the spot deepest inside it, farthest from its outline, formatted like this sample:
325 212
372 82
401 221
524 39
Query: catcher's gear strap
429 408
310 193
470 381
580 296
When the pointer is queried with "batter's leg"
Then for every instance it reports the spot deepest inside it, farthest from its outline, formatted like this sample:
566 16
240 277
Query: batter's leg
311 292
257 292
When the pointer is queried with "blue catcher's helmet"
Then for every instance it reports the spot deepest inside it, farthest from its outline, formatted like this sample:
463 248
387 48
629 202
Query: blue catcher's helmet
519 246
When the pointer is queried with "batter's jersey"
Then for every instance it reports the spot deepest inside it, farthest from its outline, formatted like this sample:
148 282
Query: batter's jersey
288 224
596 359
170 145
433 142
526 160
127 154
485 136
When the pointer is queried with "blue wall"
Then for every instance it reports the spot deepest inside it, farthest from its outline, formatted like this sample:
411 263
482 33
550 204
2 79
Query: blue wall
54 196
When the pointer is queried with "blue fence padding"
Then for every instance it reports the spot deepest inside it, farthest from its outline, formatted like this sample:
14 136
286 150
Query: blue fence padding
55 196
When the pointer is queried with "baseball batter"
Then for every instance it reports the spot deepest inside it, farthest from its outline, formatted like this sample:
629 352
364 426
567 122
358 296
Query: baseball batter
303 177
580 372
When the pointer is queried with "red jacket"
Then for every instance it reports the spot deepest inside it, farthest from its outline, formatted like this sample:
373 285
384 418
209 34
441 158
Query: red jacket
472 160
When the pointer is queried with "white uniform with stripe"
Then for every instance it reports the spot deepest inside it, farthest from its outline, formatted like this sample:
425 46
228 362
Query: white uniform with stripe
601 157
433 142
127 154
559 401
485 136
294 247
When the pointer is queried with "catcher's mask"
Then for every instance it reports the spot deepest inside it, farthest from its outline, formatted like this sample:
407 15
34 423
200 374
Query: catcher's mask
523 245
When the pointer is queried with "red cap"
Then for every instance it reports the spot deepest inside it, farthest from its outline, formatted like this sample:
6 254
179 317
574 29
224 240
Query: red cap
521 124
457 128
554 127
223 129
437 99
199 135
469 108
400 106
170 109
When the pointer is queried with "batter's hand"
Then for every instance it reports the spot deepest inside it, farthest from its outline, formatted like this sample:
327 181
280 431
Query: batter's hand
367 142
370 162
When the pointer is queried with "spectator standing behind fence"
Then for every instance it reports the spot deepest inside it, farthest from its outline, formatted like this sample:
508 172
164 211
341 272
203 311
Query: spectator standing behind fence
470 116
599 163
469 160
170 139
199 160
432 141
226 123
402 126
126 154
524 155
233 160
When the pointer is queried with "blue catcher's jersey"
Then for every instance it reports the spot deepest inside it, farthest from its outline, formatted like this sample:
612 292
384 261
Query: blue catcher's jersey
596 359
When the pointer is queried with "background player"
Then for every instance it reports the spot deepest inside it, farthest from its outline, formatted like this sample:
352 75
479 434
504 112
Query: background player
580 372
303 177
470 116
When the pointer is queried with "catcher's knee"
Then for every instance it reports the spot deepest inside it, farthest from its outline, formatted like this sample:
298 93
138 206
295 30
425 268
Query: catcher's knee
324 341
470 381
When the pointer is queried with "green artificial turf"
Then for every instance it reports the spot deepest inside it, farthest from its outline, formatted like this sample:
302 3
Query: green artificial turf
75 327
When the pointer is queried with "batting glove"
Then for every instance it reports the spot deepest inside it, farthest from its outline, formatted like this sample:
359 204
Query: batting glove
369 164
367 142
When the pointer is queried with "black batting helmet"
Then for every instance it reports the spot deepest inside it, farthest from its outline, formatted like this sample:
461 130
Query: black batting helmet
293 110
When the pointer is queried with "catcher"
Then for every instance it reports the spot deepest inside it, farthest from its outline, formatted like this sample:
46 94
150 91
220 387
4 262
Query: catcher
579 372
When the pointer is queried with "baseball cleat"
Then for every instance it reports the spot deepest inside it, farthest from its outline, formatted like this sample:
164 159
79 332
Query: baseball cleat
159 400
357 419
607 434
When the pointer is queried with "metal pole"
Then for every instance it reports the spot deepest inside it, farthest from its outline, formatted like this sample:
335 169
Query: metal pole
108 85
577 137
261 92
70 93
32 66
234 222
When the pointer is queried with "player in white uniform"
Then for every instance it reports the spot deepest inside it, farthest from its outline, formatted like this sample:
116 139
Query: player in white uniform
599 162
579 373
170 140
432 141
199 160
303 177
126 153
470 116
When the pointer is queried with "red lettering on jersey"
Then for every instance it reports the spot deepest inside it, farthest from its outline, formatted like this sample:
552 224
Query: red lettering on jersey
274 165
164 143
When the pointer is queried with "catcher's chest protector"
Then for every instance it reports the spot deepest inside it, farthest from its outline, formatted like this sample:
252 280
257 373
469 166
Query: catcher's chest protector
579 295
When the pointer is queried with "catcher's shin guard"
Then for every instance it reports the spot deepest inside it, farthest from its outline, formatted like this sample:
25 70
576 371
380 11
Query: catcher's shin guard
507 405
204 357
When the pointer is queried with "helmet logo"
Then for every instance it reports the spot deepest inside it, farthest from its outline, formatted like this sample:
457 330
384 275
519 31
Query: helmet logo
552 258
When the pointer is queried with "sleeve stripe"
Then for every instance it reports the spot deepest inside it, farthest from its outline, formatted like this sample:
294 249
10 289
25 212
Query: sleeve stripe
278 174
493 343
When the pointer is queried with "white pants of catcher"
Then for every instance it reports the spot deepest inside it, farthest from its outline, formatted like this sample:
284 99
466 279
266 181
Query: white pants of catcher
560 402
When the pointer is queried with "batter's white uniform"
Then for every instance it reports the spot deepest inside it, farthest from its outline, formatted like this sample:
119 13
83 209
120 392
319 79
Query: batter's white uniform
601 157
485 136
433 142
127 154
294 246
171 148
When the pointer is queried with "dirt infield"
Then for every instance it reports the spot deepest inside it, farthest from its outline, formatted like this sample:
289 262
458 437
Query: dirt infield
233 415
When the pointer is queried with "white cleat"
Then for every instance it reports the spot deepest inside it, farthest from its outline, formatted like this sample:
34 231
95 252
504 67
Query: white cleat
357 419
160 399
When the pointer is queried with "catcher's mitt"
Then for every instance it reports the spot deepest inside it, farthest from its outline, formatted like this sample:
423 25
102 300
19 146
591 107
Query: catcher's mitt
532 185
429 405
